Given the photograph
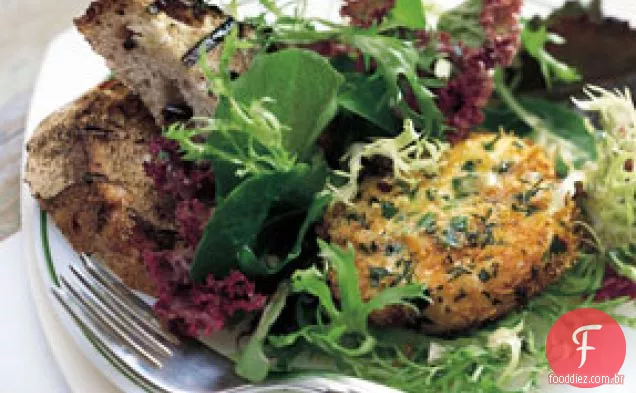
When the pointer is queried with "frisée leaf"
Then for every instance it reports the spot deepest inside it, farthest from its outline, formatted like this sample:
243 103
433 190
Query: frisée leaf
409 153
399 63
350 319
611 183
507 355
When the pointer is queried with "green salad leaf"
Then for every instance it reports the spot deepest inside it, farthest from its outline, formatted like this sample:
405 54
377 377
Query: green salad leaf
270 186
585 277
261 144
400 62
406 13
623 260
409 153
367 98
288 77
345 328
263 259
505 356
463 24
377 97
235 152
253 363
561 130
611 183
233 237
534 42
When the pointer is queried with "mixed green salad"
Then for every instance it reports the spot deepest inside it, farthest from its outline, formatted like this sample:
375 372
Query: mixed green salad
397 81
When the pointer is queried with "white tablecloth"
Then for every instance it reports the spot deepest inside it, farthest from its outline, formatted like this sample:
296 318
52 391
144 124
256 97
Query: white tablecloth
26 362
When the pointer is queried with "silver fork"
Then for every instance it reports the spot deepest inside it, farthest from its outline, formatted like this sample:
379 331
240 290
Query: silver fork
121 324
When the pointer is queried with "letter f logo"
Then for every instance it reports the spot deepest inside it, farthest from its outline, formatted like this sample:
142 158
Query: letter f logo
583 346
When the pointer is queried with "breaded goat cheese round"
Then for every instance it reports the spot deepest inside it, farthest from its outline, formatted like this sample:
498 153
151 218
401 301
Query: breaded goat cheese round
491 230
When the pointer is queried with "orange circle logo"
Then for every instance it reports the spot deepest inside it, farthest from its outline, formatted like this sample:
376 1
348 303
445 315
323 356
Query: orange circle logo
586 347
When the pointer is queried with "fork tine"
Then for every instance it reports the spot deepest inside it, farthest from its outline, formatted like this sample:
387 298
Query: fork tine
98 336
110 280
92 307
134 307
126 322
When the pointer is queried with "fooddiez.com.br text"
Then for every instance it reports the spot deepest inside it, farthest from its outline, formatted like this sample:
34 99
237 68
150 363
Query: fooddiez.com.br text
569 379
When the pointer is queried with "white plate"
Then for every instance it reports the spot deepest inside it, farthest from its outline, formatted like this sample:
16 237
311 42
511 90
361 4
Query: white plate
71 68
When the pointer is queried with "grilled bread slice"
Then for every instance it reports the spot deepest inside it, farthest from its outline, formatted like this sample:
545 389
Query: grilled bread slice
153 48
85 167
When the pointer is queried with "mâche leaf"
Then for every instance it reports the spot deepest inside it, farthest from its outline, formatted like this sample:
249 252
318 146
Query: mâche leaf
231 237
236 223
303 88
254 261
367 98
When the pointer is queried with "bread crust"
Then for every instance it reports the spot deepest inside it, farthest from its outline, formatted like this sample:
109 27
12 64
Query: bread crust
145 41
85 167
